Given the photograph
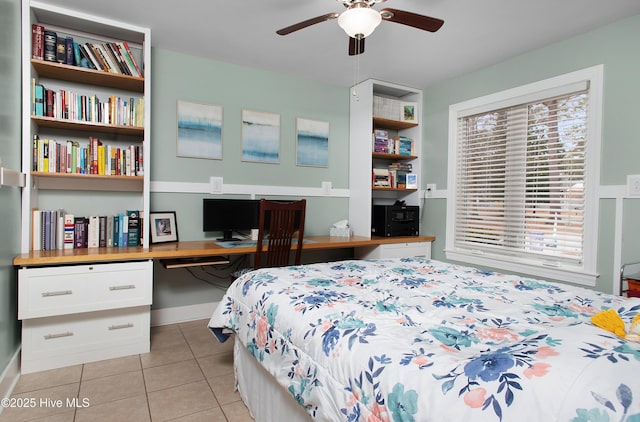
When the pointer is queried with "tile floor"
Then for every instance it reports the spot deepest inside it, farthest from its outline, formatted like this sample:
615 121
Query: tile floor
187 376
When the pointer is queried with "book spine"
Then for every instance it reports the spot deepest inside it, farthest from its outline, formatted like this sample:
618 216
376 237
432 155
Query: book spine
133 60
69 51
102 238
68 231
36 229
133 229
61 50
37 41
50 40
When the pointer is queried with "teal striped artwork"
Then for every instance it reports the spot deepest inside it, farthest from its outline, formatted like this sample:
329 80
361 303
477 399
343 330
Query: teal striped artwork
199 130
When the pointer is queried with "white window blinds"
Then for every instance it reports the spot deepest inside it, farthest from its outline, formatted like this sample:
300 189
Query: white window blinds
520 177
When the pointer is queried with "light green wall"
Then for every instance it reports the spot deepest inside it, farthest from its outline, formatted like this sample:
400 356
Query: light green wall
615 46
176 77
9 196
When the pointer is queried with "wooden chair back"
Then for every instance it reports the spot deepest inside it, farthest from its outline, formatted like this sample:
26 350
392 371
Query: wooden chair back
285 223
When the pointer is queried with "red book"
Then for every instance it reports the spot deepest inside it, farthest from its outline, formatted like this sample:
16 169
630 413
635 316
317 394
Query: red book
37 41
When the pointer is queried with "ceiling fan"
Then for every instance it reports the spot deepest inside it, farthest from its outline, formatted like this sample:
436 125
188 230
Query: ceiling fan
360 19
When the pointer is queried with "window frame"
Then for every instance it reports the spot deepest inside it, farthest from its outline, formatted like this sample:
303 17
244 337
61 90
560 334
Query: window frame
584 273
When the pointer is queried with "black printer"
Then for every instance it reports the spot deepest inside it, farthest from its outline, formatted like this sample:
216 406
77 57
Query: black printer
395 220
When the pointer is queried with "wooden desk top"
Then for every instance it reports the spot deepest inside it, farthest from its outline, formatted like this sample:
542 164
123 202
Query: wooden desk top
190 249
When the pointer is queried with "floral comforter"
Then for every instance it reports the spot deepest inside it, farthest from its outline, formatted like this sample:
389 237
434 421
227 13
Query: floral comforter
416 339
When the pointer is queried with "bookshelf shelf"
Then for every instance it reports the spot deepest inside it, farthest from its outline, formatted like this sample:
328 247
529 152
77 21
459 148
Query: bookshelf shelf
393 189
383 123
65 72
87 182
79 125
383 156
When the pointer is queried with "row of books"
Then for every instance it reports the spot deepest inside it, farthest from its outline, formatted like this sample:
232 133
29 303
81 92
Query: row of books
64 104
393 179
400 145
113 57
58 229
51 156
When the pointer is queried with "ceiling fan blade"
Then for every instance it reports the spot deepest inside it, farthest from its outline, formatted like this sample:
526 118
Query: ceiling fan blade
356 46
308 22
425 23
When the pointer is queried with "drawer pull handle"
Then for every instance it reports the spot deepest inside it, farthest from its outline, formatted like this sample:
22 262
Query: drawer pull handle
121 326
59 335
123 287
59 293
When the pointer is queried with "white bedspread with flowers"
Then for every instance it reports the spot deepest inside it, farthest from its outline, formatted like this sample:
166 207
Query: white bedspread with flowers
421 340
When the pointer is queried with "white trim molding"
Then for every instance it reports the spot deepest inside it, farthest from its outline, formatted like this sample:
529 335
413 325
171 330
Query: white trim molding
239 189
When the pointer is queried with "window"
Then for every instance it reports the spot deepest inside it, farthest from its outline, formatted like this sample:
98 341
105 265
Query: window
523 170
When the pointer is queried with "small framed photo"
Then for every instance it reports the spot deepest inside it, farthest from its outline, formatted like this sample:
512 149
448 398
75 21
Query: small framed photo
412 181
409 112
163 227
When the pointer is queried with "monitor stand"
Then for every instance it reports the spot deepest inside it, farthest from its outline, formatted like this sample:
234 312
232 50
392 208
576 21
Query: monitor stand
227 236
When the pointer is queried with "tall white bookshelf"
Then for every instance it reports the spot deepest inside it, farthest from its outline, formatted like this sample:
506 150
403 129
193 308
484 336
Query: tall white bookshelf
73 314
363 121
83 194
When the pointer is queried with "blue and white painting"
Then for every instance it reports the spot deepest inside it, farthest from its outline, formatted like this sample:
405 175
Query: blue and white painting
199 130
260 137
313 143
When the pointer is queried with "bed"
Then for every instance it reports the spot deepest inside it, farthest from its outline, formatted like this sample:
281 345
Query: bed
417 339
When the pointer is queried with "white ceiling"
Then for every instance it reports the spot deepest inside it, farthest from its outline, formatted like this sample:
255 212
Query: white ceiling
476 34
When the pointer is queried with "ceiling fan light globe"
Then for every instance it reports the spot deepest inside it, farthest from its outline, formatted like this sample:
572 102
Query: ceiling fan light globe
359 22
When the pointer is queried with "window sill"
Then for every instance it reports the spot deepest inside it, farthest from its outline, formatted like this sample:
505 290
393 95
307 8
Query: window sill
562 272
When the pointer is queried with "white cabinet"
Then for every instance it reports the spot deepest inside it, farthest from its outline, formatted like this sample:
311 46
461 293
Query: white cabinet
363 121
395 250
77 314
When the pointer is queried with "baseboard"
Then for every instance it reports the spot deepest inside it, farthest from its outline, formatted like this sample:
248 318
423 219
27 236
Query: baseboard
177 314
10 376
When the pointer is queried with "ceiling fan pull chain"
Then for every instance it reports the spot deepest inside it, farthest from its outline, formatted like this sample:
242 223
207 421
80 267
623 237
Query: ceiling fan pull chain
356 76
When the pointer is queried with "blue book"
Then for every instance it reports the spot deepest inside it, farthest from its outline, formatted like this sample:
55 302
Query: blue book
39 100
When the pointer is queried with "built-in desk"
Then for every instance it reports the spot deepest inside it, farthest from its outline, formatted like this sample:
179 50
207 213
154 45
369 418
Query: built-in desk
82 305
190 249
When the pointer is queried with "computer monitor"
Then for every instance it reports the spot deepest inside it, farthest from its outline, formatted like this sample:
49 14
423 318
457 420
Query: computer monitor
229 215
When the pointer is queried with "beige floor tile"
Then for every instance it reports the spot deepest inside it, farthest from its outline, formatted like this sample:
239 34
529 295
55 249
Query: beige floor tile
46 403
50 378
196 323
237 412
216 365
60 417
105 368
128 409
211 415
163 356
172 375
180 401
113 387
224 387
167 336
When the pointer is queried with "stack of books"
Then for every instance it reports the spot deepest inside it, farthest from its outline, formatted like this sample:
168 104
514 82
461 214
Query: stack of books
381 178
58 229
64 104
51 156
113 57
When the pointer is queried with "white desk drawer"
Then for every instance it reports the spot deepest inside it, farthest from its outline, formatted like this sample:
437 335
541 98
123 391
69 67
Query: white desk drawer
65 340
395 250
71 289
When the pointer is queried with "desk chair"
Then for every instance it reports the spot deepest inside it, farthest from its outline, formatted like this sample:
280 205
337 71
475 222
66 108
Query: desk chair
285 222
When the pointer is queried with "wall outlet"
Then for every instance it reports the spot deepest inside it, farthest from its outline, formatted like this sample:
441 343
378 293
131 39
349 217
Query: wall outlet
633 185
326 188
431 188
215 184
